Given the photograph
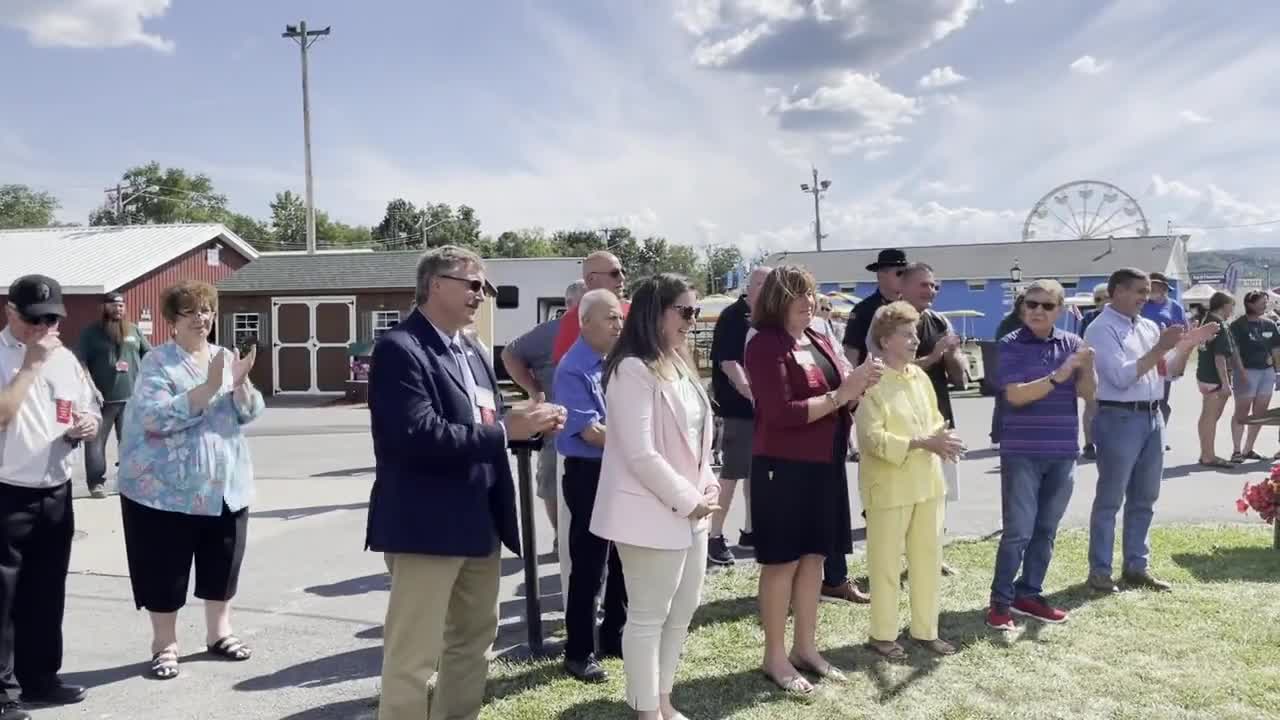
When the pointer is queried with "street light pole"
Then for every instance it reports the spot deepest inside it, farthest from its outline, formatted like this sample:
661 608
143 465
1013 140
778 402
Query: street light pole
305 40
817 189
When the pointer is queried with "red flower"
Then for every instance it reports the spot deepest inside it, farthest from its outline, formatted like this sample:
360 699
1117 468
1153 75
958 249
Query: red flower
1242 506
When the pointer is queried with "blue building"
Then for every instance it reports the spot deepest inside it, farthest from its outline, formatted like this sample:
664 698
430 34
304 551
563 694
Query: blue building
985 276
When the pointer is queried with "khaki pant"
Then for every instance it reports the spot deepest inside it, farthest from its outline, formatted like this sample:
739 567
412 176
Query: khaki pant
663 591
443 612
918 529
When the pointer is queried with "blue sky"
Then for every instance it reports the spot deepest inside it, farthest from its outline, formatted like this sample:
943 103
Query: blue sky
936 120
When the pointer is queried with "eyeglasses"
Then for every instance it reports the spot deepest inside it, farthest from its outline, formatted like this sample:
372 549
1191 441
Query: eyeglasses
1038 304
42 320
615 273
194 313
472 284
688 312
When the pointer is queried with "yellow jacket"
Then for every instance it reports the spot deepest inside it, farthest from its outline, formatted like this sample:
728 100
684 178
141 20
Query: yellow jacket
900 407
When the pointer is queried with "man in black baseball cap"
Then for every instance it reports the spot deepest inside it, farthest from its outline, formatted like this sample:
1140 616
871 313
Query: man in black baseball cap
47 408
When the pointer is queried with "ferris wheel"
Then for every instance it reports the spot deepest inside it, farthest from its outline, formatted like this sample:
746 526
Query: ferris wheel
1085 209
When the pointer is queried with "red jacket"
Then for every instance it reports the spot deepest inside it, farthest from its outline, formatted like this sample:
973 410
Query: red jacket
780 386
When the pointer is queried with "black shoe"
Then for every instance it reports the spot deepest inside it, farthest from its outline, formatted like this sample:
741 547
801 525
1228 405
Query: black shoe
10 710
587 671
718 551
1090 452
59 693
747 539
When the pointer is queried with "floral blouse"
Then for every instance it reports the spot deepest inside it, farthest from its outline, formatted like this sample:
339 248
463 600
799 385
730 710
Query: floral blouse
175 460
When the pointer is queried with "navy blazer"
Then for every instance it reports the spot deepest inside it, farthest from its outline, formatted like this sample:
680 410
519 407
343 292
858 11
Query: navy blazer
443 483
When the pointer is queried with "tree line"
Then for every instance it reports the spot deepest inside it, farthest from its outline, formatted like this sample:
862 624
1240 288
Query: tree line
152 195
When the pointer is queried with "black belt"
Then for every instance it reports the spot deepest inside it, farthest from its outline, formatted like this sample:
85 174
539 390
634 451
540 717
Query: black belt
1146 406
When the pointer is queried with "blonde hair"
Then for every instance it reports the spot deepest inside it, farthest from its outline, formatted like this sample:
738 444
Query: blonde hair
889 318
1052 288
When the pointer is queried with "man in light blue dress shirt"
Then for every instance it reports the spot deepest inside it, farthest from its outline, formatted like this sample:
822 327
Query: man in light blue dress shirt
1133 358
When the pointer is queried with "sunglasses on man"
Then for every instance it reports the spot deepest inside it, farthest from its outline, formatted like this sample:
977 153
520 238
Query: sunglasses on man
472 284
616 273
688 312
42 320
1038 304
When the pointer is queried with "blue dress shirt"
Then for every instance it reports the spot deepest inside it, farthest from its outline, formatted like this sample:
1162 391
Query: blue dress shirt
578 388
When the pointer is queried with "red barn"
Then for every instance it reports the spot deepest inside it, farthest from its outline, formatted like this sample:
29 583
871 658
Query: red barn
138 261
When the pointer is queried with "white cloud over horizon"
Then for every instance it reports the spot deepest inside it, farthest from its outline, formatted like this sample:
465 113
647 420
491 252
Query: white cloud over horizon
941 77
1089 65
87 23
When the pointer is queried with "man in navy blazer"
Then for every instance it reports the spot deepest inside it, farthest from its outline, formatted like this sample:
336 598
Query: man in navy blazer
443 500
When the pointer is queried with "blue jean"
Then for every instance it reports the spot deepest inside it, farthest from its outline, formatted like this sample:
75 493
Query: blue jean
1130 467
1033 496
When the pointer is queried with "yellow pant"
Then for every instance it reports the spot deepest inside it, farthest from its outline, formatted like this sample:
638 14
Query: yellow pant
918 528
442 613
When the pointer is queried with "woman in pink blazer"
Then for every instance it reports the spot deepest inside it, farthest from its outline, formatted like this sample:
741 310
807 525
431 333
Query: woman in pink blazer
656 486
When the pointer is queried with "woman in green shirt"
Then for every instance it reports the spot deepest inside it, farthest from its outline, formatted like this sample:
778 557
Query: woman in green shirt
1217 359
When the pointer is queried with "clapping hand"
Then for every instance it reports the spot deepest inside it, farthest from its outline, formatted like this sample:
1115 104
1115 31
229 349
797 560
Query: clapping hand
240 366
857 381
1200 335
948 343
527 419
945 444
86 426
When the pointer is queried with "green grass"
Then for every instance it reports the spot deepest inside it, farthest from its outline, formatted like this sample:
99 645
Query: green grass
1210 649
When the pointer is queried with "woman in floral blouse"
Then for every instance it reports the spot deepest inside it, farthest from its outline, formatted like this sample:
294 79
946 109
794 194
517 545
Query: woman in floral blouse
186 479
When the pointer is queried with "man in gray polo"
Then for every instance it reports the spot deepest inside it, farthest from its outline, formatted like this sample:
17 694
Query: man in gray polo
527 360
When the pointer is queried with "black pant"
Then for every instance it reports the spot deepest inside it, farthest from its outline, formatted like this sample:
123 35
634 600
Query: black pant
95 450
589 555
161 546
1165 410
34 554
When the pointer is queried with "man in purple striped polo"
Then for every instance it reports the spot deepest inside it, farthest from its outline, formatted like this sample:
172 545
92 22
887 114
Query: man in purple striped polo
1043 370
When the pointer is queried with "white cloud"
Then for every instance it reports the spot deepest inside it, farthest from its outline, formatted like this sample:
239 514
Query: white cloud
87 23
854 103
1089 65
876 146
1162 188
795 35
942 187
1194 118
941 77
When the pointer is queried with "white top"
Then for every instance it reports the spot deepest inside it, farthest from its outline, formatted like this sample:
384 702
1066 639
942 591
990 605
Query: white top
695 411
33 450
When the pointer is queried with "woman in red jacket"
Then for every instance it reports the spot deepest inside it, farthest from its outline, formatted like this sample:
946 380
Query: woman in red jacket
803 391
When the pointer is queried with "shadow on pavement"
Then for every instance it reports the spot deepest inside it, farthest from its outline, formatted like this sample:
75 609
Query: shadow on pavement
106 676
373 633
352 586
1181 471
305 512
513 565
366 709
348 472
343 667
1245 564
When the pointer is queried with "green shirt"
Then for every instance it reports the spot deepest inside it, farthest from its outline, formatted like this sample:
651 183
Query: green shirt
113 369
1257 340
1223 344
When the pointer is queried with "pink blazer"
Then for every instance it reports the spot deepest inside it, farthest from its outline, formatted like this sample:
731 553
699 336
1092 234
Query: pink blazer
650 477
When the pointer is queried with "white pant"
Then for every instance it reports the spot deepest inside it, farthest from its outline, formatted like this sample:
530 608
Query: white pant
663 591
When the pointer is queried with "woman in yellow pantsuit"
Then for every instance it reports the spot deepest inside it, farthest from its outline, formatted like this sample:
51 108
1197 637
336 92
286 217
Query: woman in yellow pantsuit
903 439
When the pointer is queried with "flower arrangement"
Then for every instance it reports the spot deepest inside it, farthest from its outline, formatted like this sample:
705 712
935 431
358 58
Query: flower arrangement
1262 497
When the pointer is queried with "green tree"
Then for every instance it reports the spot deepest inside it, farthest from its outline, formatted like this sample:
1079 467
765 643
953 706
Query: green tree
336 235
721 260
524 243
289 222
22 207
158 195
253 231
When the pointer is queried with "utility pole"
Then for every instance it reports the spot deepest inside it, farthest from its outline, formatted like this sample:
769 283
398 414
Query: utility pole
117 193
305 40
818 188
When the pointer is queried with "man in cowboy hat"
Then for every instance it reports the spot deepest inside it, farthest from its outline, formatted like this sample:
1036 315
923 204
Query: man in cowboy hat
888 267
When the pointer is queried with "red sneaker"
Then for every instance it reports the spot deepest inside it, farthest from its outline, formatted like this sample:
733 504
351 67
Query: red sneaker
998 618
1035 607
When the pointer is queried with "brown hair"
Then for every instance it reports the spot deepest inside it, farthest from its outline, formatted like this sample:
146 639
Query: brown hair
1220 300
783 285
890 317
185 297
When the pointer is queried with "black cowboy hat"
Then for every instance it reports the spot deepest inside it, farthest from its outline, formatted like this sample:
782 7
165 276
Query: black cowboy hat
889 258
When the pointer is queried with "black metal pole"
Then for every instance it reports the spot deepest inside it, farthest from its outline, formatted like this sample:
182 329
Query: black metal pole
529 546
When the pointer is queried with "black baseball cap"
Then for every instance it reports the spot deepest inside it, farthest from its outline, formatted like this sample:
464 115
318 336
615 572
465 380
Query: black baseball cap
36 296
112 297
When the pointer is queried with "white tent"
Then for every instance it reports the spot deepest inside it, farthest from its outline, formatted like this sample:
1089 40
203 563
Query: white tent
1198 294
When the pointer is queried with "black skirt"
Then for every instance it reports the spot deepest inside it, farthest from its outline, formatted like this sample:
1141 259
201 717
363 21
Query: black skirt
799 508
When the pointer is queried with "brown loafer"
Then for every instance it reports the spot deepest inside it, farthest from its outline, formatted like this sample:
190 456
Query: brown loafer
848 592
1144 579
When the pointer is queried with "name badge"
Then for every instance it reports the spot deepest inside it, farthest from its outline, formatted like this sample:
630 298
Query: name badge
488 406
122 366
804 357
63 409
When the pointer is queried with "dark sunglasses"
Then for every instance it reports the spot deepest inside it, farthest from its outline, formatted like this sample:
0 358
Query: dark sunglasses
1037 304
473 285
688 312
616 273
42 320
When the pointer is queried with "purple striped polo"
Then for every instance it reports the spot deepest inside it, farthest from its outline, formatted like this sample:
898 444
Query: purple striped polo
1049 427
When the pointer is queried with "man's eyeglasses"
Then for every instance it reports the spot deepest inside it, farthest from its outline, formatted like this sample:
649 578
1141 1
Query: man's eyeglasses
42 320
1038 304
615 273
688 312
472 284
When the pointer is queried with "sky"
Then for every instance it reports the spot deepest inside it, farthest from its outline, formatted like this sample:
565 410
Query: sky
936 121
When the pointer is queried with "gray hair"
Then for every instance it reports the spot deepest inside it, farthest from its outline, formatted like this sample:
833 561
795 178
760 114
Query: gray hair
441 260
1100 292
915 269
1052 288
573 294
590 300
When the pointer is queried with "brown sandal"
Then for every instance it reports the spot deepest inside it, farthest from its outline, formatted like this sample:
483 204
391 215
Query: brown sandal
938 646
888 649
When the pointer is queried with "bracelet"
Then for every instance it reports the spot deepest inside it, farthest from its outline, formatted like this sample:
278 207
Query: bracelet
831 397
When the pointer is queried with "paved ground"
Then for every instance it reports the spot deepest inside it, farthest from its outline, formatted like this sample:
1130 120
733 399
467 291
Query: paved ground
311 601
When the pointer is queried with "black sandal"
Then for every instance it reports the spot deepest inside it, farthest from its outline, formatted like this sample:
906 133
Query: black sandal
164 664
231 648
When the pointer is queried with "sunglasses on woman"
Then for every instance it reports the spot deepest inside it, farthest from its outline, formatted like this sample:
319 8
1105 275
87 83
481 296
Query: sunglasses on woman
1038 304
688 312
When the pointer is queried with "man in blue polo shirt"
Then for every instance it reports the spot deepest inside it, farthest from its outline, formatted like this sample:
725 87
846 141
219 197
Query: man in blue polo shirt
1042 372
578 387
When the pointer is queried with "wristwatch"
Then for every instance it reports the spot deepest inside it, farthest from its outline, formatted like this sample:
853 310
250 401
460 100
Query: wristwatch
1053 381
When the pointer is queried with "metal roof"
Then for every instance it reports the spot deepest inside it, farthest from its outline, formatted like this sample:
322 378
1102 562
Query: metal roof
392 270
99 259
990 261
